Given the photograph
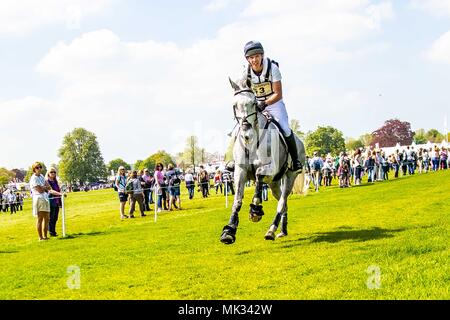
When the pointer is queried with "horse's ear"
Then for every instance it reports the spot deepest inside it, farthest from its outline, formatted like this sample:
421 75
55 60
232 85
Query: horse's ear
234 85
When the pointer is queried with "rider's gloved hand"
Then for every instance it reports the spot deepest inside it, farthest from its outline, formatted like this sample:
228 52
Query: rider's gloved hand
261 105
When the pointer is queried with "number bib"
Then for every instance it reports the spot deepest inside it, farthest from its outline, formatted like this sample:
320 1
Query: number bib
263 89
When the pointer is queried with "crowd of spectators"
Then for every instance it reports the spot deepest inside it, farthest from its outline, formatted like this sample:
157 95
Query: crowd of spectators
374 164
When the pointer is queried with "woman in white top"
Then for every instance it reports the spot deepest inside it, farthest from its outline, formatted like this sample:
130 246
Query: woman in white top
41 205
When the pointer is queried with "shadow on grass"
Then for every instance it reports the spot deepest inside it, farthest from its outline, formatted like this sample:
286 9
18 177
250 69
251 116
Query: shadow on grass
8 251
82 234
374 233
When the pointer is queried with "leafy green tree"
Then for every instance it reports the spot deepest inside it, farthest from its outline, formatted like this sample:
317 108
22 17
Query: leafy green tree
420 137
150 163
366 139
353 144
30 171
434 136
325 140
81 159
192 152
6 176
295 127
116 163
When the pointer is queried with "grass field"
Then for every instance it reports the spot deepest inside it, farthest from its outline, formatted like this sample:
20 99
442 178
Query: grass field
336 238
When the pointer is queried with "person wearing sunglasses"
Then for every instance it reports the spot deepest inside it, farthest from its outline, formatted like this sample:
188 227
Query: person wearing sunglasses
41 205
54 199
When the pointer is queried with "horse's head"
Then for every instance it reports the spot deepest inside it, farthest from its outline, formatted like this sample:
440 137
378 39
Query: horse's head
245 111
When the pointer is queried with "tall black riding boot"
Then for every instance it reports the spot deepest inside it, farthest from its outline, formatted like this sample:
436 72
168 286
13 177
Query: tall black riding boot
292 146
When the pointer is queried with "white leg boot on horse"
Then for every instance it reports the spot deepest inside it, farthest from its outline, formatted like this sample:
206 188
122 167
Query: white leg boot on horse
256 209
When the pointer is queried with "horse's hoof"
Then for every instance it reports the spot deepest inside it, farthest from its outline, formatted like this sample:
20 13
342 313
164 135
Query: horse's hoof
228 235
256 213
254 217
281 235
270 235
227 239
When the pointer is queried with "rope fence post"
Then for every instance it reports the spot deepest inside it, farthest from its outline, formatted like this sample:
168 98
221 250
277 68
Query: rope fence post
155 204
226 194
63 216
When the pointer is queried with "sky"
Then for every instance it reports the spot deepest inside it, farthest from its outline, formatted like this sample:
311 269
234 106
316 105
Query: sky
145 75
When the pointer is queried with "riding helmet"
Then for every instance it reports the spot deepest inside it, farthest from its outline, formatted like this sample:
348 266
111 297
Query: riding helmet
253 47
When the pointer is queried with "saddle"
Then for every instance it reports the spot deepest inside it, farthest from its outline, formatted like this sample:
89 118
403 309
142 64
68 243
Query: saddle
288 161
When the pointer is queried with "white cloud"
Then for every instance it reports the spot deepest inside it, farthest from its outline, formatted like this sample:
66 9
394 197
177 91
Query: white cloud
218 5
440 49
142 96
20 17
435 7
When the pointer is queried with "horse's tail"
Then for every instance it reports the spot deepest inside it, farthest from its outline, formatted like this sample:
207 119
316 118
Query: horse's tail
299 185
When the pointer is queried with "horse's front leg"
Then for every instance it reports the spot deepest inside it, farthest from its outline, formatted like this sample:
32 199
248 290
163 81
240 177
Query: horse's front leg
229 231
256 209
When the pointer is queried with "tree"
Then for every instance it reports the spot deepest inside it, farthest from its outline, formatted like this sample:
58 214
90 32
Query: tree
325 140
353 144
6 176
434 136
19 174
420 137
191 154
295 127
392 132
81 159
366 139
30 171
160 156
114 165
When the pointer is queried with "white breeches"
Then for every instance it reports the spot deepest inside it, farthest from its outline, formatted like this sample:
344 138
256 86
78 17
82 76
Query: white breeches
279 113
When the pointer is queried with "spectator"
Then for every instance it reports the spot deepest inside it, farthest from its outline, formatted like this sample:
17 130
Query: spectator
147 180
41 205
443 158
54 199
203 181
19 200
174 187
357 167
316 165
12 202
435 156
120 184
137 195
159 185
227 178
218 181
190 184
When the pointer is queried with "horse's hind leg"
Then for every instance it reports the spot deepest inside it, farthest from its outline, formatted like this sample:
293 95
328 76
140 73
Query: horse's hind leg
281 217
276 192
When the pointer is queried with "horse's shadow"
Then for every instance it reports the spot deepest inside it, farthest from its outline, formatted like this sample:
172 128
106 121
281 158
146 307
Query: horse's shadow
360 235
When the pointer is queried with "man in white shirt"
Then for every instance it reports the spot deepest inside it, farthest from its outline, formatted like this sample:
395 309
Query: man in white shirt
264 78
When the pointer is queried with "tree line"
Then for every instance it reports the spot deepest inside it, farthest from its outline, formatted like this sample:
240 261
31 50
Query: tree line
81 160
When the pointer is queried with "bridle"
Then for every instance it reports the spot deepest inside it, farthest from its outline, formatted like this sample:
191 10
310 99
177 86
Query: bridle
244 119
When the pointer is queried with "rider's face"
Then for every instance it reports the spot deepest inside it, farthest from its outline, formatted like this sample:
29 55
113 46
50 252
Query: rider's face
256 62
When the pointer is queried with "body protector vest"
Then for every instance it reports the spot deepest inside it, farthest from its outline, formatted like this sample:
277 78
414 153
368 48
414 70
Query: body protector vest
264 89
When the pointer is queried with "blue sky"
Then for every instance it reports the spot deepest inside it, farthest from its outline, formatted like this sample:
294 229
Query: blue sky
143 75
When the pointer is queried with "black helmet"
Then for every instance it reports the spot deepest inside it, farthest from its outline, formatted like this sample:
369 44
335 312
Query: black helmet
253 47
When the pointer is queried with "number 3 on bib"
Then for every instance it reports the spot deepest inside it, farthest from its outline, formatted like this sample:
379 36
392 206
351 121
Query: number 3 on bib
263 89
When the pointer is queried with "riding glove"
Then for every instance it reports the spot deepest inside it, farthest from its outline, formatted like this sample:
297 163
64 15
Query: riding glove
261 105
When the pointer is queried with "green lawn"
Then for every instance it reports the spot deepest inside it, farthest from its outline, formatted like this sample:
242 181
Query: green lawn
335 236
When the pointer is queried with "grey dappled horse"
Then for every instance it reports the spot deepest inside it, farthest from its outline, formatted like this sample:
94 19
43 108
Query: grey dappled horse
260 154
